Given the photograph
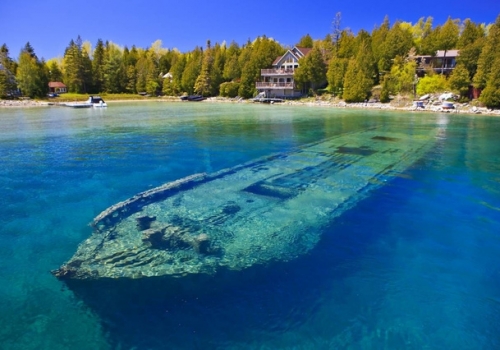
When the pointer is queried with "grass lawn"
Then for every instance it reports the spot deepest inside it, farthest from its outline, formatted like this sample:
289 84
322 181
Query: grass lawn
71 97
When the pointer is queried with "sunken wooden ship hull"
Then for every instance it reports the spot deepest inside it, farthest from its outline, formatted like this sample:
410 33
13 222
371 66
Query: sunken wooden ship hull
269 209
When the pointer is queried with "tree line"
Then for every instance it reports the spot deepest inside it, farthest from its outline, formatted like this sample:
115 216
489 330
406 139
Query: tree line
352 66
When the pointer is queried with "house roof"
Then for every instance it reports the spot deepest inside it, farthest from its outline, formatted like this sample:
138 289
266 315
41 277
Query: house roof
303 50
297 52
277 60
449 53
56 84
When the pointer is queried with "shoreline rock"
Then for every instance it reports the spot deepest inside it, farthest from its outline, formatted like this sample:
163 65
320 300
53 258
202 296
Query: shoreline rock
461 108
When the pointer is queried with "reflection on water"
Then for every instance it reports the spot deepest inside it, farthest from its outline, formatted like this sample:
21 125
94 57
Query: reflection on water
415 265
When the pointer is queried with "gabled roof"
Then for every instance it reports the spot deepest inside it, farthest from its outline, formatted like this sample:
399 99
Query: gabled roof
56 84
303 50
297 52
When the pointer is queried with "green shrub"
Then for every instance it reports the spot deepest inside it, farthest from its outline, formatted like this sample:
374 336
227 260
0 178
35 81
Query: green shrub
432 84
229 89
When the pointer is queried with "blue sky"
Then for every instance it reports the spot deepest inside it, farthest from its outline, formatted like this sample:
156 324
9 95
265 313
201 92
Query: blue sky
50 25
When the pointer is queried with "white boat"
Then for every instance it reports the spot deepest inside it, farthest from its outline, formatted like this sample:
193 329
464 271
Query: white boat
97 102
78 104
271 209
93 101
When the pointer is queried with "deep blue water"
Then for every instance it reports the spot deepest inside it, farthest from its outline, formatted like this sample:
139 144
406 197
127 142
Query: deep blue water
416 265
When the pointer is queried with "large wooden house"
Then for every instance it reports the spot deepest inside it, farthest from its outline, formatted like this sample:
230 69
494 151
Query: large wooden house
278 81
443 62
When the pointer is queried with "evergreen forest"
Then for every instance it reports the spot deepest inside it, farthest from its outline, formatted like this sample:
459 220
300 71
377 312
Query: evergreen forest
350 66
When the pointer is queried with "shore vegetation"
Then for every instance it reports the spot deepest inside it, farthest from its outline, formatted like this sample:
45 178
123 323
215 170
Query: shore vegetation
351 66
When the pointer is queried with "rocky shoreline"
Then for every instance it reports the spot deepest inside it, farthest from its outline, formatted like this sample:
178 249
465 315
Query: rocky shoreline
431 106
23 103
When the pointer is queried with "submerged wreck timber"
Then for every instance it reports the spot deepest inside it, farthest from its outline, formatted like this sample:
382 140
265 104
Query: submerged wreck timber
269 209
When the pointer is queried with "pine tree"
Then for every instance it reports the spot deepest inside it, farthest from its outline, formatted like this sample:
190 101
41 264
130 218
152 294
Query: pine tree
359 76
345 49
55 73
6 61
364 56
356 84
154 80
379 36
4 83
430 42
490 96
8 68
203 84
490 51
470 44
469 34
232 70
78 67
192 70
460 80
398 42
337 68
112 69
129 61
247 80
448 38
306 41
31 74
86 70
327 47
421 30
98 67
387 88
312 70
218 67
177 71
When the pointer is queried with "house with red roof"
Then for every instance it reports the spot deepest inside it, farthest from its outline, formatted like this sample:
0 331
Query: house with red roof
56 87
278 82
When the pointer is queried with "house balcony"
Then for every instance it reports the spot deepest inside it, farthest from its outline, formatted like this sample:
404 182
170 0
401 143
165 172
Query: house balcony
266 85
274 72
446 70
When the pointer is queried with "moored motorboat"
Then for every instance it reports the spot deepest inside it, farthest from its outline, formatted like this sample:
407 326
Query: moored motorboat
192 98
78 104
92 101
97 102
270 209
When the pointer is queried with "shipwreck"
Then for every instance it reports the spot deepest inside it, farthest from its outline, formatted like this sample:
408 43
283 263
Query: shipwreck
269 209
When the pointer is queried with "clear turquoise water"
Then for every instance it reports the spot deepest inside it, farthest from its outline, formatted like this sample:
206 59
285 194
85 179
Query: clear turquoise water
414 266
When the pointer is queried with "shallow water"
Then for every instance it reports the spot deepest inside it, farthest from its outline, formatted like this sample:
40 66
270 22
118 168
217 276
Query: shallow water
416 265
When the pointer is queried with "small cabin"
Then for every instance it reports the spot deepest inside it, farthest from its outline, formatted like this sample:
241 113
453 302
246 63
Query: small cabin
56 87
